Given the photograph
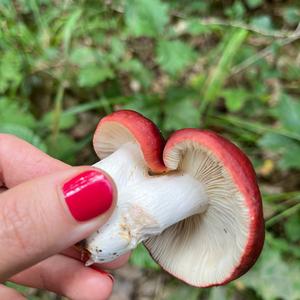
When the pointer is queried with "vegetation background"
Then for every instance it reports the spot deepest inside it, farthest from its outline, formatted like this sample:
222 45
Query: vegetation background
230 66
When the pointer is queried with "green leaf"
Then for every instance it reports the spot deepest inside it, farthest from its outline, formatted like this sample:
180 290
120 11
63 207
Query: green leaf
272 277
66 121
117 50
181 114
93 75
293 72
289 113
290 158
276 142
141 258
291 15
289 149
63 148
14 113
254 3
282 245
83 56
138 71
235 98
10 70
146 18
236 11
263 22
194 27
23 133
174 56
292 226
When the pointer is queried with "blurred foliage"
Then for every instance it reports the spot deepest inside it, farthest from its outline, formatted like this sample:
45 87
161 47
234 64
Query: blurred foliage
65 64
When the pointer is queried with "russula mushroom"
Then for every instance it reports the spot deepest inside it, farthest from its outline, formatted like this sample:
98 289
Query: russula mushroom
194 202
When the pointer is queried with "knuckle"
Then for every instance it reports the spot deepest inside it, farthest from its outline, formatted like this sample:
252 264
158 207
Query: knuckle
18 228
6 142
13 223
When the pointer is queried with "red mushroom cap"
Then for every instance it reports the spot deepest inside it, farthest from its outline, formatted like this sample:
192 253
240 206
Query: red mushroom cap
125 126
236 168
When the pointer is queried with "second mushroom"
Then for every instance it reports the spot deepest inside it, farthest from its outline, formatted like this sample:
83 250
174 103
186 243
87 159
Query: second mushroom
193 201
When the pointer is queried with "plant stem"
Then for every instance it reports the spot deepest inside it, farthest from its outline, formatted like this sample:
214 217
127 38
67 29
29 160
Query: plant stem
284 214
57 110
257 127
282 196
67 36
217 77
265 52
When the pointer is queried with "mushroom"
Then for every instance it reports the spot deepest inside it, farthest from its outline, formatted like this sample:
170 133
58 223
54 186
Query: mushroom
194 202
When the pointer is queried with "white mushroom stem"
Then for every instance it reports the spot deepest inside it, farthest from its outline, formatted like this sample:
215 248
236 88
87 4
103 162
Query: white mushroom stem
146 204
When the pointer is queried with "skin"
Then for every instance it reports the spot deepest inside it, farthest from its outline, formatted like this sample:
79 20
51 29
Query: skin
39 253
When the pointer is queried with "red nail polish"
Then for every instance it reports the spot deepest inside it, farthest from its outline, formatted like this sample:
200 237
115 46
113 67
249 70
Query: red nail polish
88 195
104 273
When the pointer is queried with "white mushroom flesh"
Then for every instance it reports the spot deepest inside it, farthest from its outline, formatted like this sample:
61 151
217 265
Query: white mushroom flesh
146 204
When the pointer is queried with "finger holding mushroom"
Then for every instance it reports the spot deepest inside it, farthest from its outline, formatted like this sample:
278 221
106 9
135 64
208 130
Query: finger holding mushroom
194 202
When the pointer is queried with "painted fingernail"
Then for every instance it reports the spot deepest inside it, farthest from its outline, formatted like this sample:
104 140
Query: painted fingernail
88 195
104 273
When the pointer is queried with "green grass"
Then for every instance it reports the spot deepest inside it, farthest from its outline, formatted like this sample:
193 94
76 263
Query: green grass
232 68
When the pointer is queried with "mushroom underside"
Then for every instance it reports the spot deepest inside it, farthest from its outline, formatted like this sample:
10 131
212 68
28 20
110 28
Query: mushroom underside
206 248
113 135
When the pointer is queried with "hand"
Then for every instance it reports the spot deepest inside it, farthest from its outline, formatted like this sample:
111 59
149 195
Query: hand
48 207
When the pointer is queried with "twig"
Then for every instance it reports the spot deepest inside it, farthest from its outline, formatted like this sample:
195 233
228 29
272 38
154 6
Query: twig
286 213
46 67
256 127
248 27
265 52
222 22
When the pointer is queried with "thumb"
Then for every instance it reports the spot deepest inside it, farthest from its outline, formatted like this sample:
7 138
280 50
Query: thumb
44 216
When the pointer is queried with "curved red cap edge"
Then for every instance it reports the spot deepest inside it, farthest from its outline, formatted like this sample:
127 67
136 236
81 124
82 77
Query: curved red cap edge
145 133
240 168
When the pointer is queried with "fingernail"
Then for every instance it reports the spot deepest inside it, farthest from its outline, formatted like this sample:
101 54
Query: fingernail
104 273
88 195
